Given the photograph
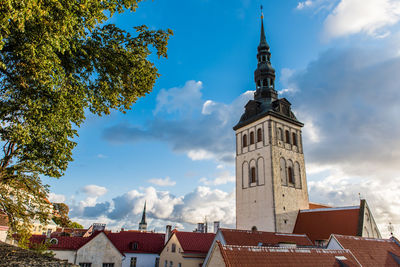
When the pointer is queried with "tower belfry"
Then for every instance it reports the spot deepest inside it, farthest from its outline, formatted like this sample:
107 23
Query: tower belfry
271 183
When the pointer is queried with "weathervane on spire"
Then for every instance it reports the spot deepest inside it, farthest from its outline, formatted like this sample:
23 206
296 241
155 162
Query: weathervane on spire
262 15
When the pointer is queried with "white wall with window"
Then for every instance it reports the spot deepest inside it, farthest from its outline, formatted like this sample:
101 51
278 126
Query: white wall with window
142 259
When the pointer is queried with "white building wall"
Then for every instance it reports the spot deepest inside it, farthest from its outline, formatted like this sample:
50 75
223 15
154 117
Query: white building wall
99 250
142 259
68 255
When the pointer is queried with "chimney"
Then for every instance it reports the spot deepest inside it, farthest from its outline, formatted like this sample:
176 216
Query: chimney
216 226
122 229
167 233
200 227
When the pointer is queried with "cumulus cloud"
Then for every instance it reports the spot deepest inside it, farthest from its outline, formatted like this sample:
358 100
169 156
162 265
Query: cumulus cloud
162 182
202 129
349 100
304 4
94 190
162 208
368 16
56 198
223 178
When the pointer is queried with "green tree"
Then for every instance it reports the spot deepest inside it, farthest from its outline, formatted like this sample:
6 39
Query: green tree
75 225
59 59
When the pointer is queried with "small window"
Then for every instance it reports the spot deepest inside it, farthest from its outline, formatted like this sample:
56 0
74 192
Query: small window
294 137
290 175
133 261
173 248
254 228
179 264
264 58
258 83
166 264
85 264
134 245
259 135
108 264
157 264
171 264
265 83
287 136
244 140
253 175
251 138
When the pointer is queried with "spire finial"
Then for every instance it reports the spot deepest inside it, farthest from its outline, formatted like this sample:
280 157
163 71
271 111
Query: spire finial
262 14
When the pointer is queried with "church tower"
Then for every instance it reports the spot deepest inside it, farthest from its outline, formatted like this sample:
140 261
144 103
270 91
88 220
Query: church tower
143 223
271 184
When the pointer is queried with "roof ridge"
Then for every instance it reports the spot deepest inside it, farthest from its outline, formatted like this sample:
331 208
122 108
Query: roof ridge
330 209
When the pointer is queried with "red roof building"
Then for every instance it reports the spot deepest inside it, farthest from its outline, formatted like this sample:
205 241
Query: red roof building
137 241
318 224
186 248
254 256
369 251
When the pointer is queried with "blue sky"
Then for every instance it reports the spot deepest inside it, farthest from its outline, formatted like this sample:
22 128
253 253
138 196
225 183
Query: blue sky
336 61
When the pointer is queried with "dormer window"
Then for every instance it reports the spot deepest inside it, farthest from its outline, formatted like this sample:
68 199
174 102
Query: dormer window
251 138
134 245
244 140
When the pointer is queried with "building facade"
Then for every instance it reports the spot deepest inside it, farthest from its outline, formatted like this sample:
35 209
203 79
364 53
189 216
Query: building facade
271 185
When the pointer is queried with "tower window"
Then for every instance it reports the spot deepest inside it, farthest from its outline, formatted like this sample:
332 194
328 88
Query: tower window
264 58
265 83
287 136
280 134
258 83
290 175
253 175
294 137
244 140
251 138
259 135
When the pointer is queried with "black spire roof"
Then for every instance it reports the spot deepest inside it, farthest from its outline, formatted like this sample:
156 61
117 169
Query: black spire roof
266 97
143 224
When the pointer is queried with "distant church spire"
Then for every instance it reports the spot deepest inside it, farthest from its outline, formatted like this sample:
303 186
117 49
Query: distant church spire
264 75
143 224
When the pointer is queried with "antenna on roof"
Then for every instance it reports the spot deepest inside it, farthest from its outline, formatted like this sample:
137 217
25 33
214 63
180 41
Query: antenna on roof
391 228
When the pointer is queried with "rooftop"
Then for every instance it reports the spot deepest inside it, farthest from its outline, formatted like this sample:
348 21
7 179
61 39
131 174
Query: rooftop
193 242
244 256
253 238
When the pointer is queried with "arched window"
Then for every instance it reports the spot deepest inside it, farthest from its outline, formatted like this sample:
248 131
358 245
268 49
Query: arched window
290 175
254 228
244 140
251 138
258 83
259 135
294 137
265 83
253 175
280 134
287 136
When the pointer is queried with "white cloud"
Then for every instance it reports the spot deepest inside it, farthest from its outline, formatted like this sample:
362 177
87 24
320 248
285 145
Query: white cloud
101 156
56 198
304 4
367 16
162 182
94 190
223 178
162 208
185 98
202 129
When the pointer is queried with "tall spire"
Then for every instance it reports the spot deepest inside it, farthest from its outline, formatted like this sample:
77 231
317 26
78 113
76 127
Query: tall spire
264 75
143 224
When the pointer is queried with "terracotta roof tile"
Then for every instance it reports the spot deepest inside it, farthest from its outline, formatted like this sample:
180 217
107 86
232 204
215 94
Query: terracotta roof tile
370 251
253 238
317 206
319 224
246 256
63 242
193 242
147 242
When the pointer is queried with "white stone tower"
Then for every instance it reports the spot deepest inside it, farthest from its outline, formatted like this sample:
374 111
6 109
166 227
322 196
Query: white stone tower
271 183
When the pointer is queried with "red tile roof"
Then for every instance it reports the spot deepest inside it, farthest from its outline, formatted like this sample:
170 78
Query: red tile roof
251 256
193 242
371 252
253 238
147 242
63 242
319 224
